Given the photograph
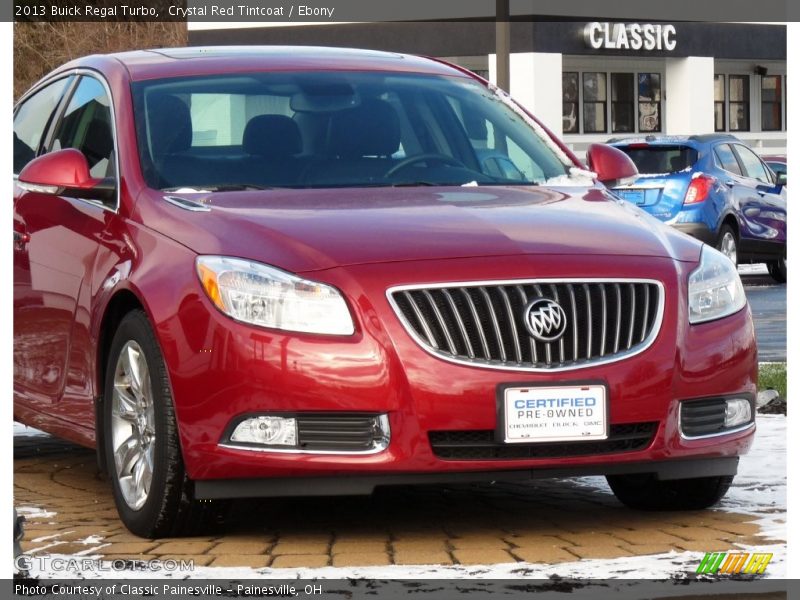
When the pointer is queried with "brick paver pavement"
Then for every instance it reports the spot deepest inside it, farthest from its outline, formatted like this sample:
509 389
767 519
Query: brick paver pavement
540 522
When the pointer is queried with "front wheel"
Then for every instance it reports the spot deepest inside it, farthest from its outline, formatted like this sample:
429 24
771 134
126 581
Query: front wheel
153 495
777 269
645 492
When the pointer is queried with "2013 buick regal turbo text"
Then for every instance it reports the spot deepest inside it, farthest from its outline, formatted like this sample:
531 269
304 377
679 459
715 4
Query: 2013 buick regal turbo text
244 272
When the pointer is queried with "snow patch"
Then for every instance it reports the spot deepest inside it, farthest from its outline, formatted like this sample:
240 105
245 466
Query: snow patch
34 512
576 176
21 430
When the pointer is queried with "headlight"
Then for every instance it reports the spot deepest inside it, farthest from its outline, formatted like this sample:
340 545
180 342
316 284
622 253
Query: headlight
262 295
715 289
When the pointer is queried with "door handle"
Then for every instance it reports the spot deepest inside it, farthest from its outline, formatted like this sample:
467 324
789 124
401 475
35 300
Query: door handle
21 239
730 183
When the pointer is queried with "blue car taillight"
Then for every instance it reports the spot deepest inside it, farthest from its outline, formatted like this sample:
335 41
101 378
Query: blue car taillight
698 190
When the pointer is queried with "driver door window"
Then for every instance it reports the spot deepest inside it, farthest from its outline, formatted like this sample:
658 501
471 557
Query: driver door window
753 167
86 126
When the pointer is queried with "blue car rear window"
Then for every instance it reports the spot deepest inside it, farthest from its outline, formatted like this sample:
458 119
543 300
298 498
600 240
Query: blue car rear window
661 159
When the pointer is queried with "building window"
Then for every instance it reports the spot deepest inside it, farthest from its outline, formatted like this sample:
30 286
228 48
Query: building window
719 102
569 108
739 102
595 98
649 102
622 111
605 102
771 103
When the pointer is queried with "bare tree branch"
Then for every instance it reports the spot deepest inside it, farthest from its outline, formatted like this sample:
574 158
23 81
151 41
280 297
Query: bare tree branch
39 47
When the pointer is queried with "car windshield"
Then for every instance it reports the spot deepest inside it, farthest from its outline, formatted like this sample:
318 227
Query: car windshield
652 160
337 129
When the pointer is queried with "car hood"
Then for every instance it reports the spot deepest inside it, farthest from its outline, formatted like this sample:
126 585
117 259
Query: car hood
309 229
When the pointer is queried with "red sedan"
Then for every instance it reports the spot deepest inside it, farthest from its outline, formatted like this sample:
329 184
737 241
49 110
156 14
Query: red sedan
281 271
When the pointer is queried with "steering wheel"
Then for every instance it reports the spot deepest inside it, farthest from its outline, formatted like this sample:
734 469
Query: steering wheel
418 158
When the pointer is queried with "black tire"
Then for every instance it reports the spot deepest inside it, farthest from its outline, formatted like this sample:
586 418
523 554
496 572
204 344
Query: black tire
169 508
777 269
645 492
727 235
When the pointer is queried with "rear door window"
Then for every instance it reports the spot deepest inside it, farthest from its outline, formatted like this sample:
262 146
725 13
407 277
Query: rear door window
725 159
32 119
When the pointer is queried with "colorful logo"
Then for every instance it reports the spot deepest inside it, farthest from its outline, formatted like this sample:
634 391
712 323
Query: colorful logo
734 563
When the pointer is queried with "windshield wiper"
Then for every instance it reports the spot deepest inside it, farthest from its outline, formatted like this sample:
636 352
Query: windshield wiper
420 184
223 187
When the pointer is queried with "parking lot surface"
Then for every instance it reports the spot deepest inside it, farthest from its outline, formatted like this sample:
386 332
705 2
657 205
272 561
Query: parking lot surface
768 303
70 512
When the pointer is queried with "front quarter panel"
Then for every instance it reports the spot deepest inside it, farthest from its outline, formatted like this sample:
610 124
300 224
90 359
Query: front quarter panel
158 272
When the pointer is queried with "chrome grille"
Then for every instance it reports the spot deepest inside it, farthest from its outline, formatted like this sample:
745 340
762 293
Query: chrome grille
483 324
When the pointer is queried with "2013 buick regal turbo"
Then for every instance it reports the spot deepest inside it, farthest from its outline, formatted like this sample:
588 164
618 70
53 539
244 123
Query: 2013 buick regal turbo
278 271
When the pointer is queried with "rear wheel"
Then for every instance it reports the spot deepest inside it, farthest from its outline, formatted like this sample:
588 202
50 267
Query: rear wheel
777 269
153 495
728 243
645 492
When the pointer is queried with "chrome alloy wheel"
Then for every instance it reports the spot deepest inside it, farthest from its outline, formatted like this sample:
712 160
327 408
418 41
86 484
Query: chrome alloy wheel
727 246
133 425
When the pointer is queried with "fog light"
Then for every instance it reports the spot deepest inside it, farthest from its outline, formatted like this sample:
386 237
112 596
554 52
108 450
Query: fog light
737 412
269 431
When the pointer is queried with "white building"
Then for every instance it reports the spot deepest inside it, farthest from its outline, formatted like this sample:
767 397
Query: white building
590 80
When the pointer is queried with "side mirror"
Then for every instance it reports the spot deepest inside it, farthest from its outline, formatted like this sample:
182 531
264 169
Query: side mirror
612 165
780 179
65 172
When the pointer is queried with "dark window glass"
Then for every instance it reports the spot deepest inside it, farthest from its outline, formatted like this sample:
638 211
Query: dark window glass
661 159
32 119
753 167
86 126
739 102
569 87
649 102
777 167
726 159
622 117
595 98
719 102
771 103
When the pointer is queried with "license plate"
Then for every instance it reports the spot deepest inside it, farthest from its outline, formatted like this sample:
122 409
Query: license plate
554 414
635 196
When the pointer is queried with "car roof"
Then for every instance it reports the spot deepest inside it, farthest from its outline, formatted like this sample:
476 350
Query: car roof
207 60
691 140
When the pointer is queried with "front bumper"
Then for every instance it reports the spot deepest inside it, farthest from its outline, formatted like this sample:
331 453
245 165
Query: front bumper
212 489
221 370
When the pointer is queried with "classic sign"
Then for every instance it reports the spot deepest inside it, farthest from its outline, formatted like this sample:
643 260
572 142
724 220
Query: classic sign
630 36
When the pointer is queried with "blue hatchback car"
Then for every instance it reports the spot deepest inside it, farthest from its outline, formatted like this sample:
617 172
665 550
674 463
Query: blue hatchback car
714 188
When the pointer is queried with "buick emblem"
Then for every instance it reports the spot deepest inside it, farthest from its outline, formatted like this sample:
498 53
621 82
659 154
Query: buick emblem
545 319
